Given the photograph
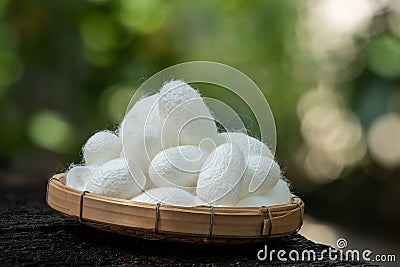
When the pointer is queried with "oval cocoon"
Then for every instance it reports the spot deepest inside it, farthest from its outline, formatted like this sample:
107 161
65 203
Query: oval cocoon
114 179
261 174
249 145
220 179
78 177
177 166
167 195
101 147
140 131
279 194
186 118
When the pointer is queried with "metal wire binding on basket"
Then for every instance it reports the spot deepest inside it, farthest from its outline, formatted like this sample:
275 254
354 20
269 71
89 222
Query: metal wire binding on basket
224 224
265 221
157 217
81 205
301 215
212 209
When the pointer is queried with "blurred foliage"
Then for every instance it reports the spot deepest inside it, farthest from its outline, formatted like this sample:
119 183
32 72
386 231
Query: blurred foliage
329 69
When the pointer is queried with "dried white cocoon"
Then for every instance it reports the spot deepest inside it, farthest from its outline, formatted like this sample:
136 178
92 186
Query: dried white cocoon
261 174
279 194
249 145
114 179
167 195
79 176
101 147
177 166
220 179
140 132
186 118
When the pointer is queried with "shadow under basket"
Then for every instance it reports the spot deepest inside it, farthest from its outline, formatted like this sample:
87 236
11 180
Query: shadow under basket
201 224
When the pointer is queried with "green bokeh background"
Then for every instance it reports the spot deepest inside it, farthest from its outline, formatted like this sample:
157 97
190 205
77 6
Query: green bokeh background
68 69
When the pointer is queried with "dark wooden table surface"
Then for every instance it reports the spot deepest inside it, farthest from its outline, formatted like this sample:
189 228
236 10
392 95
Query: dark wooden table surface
33 234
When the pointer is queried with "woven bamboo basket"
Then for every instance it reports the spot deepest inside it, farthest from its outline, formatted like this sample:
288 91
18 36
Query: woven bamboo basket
202 224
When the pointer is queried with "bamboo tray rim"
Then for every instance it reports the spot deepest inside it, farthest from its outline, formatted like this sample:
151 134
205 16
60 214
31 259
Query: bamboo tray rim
199 224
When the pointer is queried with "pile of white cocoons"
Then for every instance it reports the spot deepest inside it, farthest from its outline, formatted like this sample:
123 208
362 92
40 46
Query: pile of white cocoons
168 150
